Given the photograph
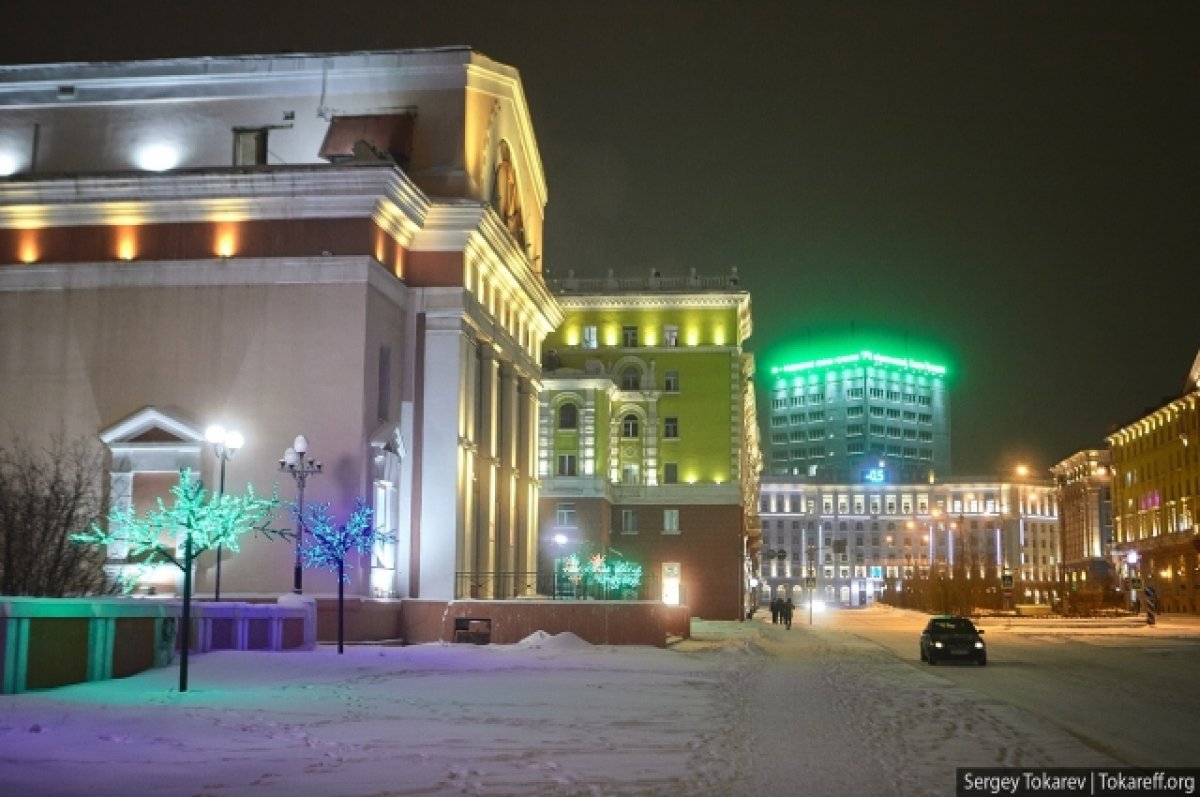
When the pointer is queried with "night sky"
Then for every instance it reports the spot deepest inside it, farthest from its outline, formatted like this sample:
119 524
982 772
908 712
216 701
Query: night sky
1010 187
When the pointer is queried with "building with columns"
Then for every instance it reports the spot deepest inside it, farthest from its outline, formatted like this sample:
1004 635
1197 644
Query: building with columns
648 437
861 540
344 246
1156 497
1084 482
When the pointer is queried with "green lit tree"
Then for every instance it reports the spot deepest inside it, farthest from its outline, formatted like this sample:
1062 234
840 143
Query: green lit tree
332 542
204 520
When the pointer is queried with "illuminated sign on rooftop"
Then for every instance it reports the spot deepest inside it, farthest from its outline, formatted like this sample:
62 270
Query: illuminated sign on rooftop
862 358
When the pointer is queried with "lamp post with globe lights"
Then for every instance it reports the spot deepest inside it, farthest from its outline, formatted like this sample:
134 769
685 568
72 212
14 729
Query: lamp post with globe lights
295 463
225 443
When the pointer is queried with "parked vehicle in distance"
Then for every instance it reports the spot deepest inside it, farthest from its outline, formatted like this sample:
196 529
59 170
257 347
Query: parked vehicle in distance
948 637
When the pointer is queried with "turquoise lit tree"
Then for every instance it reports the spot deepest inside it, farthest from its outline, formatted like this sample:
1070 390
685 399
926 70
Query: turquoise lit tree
331 543
600 571
204 520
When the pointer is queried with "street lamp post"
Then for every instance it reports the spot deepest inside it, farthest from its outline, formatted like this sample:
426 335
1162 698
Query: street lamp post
225 444
294 463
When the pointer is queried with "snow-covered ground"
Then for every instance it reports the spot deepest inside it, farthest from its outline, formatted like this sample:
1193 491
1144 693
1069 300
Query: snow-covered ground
742 708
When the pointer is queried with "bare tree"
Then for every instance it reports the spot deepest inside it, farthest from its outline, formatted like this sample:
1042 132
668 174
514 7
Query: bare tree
46 495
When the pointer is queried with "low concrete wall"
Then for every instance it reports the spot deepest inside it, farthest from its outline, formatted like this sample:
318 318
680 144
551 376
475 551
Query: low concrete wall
48 642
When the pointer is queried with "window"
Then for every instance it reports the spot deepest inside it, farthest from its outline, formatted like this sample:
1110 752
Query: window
568 416
671 335
671 382
629 337
631 379
590 340
854 412
629 426
670 473
566 464
670 521
629 474
564 515
670 428
250 147
629 521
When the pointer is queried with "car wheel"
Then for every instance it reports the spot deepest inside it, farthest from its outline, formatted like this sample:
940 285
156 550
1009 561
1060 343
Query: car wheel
983 661
931 659
922 654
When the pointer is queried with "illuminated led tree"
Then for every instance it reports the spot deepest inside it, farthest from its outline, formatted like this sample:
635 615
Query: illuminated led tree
331 543
602 572
204 520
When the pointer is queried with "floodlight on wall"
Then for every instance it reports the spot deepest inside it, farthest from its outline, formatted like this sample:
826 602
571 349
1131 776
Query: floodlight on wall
157 157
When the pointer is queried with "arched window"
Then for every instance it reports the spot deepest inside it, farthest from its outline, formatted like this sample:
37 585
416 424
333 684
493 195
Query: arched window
631 379
629 426
568 416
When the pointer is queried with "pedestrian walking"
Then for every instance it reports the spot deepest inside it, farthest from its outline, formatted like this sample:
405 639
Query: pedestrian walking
788 608
775 607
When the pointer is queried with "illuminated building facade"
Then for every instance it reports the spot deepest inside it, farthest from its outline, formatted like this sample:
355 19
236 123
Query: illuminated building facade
648 440
1084 482
1156 495
859 415
346 246
860 540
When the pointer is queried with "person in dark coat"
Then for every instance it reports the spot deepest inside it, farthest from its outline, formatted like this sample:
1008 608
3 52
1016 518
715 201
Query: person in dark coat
786 612
775 607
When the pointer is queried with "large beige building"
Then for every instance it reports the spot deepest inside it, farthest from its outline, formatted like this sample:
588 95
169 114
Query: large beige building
342 246
1156 495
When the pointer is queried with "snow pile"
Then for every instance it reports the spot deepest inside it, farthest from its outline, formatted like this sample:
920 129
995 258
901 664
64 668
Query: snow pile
540 640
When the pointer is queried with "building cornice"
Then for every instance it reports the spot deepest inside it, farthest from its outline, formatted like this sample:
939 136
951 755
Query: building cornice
229 195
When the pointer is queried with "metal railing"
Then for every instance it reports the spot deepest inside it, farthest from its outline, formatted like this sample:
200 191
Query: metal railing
577 586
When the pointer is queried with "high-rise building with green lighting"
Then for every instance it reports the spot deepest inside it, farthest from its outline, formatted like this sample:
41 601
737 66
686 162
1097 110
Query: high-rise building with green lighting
648 438
859 416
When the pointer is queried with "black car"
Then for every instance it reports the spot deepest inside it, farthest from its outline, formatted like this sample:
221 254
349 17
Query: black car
952 638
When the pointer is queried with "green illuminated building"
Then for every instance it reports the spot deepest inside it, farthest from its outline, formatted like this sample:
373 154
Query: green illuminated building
859 416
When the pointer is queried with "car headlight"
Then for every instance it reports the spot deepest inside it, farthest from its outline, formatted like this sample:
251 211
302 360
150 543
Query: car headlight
979 644
937 644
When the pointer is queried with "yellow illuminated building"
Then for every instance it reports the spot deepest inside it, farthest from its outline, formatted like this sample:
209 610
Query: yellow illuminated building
1156 489
648 443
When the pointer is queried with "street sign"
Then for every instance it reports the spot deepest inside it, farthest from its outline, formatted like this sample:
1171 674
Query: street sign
810 582
1006 581
1136 583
